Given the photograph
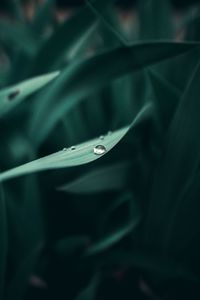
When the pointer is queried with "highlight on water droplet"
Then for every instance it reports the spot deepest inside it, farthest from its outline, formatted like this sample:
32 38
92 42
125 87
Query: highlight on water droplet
99 150
13 95
102 137
109 132
73 148
64 149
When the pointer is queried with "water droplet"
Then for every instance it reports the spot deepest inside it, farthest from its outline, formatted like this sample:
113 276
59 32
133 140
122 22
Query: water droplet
13 95
109 132
64 149
73 148
99 150
102 137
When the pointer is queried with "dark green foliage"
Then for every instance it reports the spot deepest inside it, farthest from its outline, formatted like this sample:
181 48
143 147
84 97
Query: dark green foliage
112 118
4 241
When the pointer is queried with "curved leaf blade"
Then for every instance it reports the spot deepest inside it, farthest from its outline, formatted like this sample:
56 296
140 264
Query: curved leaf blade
166 98
82 78
81 154
119 233
109 178
74 29
171 179
89 292
155 19
14 95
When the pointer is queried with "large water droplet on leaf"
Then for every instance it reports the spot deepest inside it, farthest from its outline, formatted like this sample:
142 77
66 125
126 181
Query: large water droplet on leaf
99 150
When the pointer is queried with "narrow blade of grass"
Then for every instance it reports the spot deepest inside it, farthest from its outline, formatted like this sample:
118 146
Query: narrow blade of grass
166 98
155 19
90 291
12 96
179 164
86 76
3 241
66 37
43 15
109 178
119 233
78 155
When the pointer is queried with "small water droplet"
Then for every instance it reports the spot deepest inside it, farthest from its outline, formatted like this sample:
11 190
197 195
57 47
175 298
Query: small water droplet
73 148
102 137
99 150
109 132
13 95
64 149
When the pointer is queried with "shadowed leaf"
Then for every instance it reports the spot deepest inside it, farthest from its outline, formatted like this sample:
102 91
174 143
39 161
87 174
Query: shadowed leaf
109 178
3 241
83 77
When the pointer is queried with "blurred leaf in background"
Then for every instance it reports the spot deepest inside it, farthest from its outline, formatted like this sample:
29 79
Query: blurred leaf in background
103 96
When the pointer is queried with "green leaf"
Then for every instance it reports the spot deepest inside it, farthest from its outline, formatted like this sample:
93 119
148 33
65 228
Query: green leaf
182 234
25 214
86 76
17 36
110 23
122 90
166 98
16 10
14 95
81 154
19 283
119 233
148 262
3 241
43 16
67 246
114 206
177 168
66 37
109 178
192 30
90 291
189 16
155 19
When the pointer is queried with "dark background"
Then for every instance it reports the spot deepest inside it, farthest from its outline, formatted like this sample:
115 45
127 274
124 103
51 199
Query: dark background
122 3
126 3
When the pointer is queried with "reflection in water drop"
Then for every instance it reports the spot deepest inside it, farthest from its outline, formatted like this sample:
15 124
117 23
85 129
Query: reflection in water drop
102 137
73 148
64 149
99 150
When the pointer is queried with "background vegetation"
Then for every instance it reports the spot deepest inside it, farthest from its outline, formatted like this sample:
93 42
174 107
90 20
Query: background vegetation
114 94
